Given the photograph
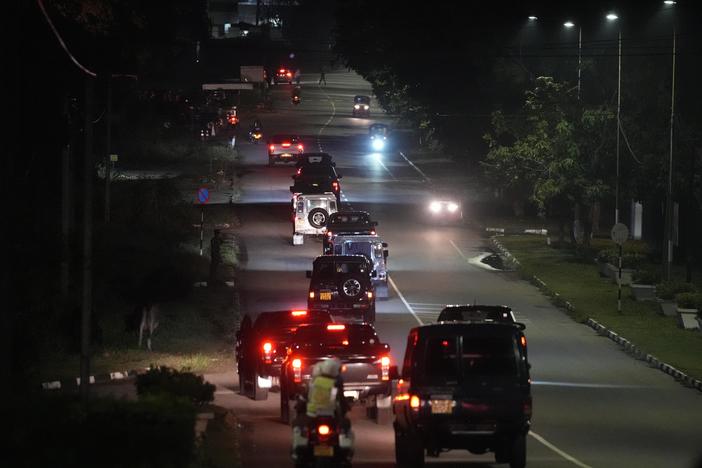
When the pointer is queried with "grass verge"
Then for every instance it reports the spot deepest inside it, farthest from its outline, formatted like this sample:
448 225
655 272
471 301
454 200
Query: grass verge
220 444
578 281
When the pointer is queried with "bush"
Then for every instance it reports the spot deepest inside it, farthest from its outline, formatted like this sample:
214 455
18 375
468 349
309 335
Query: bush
668 289
630 260
150 433
689 300
183 384
646 277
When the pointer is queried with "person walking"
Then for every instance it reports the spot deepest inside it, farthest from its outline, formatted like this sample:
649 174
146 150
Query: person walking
322 77
215 256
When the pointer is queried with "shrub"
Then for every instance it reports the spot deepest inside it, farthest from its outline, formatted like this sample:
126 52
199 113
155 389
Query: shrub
184 384
605 256
629 260
689 300
646 277
668 289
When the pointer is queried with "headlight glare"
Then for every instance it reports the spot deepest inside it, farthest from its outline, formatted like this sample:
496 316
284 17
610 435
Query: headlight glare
435 207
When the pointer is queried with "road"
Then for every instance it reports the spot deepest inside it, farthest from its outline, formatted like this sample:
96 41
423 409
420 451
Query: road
594 406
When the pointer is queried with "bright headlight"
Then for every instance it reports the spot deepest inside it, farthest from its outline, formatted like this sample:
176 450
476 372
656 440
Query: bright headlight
356 106
452 207
365 107
435 207
378 145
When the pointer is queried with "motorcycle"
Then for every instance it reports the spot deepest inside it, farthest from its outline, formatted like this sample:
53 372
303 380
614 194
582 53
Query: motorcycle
322 443
255 136
296 99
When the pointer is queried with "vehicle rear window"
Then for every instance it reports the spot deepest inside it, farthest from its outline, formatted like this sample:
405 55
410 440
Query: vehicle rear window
286 321
342 268
317 170
353 336
355 219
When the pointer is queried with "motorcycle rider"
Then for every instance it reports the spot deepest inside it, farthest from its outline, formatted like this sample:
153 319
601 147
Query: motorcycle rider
296 94
256 126
325 397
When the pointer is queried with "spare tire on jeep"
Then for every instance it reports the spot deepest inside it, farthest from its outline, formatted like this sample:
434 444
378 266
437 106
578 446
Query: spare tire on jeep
318 217
351 286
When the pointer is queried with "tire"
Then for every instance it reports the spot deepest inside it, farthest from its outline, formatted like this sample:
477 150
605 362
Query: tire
517 458
318 217
259 393
409 452
351 286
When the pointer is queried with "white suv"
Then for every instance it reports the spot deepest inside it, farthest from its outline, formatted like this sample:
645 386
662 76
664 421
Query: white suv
311 213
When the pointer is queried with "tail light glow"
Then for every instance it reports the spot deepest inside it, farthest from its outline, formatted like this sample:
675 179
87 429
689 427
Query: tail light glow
272 147
300 147
298 313
414 402
385 367
323 430
311 294
267 347
336 327
297 370
286 145
522 340
335 186
370 294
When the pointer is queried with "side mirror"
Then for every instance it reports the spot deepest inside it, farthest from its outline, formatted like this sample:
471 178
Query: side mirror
374 274
308 273
375 223
385 245
385 254
339 176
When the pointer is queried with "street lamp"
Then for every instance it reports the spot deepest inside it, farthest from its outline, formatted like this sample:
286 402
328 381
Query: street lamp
669 190
612 17
533 18
569 25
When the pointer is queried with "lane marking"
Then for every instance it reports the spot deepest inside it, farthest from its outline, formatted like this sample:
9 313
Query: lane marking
404 301
386 169
560 452
427 179
319 133
582 385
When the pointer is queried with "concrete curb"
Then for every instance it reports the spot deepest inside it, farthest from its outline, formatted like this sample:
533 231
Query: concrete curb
627 345
99 378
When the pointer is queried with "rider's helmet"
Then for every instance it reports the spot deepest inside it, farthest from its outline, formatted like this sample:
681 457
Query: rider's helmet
329 367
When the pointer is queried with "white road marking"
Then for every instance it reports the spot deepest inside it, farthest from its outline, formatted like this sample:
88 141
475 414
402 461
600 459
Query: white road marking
582 385
475 261
404 301
415 167
386 169
319 143
560 452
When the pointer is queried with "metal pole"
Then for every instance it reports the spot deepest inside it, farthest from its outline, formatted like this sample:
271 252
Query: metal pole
580 48
87 301
669 194
619 106
108 148
202 224
619 294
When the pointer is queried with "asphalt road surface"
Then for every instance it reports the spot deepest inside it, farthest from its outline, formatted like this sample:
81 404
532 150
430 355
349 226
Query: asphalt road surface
594 406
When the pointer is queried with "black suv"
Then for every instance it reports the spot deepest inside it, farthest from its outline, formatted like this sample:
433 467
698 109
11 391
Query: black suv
347 222
488 313
343 285
465 385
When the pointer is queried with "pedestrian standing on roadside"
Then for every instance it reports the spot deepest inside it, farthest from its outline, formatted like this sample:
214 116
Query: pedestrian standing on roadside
215 256
298 75
322 77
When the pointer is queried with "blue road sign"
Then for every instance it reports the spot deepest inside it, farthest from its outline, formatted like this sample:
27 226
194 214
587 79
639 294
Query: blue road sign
203 195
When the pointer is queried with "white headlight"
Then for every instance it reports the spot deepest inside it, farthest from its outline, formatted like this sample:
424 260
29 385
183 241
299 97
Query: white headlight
356 106
378 144
365 107
435 207
452 207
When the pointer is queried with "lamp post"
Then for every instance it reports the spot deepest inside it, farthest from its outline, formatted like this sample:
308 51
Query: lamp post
613 17
669 189
570 24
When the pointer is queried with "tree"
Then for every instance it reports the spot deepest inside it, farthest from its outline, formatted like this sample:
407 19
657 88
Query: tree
554 151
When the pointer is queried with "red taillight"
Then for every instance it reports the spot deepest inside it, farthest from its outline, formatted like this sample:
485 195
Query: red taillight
282 70
335 186
298 313
267 347
323 430
414 402
272 147
330 234
336 327
522 340
286 145
311 294
527 407
289 74
369 294
300 147
372 232
385 367
297 370
299 171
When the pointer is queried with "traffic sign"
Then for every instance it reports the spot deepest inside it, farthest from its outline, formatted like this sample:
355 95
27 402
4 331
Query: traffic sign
203 195
620 233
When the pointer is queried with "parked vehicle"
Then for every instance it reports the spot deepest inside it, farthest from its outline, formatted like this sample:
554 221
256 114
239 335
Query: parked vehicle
464 385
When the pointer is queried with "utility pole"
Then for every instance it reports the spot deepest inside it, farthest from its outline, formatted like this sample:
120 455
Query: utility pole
580 54
669 192
87 290
619 109
108 148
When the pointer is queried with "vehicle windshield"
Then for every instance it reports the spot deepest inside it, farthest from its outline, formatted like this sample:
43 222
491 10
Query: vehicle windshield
349 338
453 359
328 269
361 100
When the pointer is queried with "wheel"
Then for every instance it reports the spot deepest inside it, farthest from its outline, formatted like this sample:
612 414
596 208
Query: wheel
351 286
409 452
318 217
518 455
258 393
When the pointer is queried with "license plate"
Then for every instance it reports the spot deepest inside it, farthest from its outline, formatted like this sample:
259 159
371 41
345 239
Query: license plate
325 296
441 406
323 451
286 155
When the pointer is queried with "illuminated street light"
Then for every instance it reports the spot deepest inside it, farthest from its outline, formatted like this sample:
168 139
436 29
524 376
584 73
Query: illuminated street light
612 17
533 18
669 2
568 24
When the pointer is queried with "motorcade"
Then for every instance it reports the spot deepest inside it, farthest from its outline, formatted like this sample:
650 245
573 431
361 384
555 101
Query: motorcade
378 136
311 213
361 106
261 347
468 312
464 385
284 148
367 369
283 75
353 233
343 285
444 209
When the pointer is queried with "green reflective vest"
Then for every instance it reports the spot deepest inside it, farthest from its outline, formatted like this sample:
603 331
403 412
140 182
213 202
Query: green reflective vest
321 397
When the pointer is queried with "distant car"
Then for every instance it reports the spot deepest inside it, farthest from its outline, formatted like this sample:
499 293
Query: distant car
477 313
378 135
361 106
366 363
283 75
284 148
464 385
261 348
444 210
